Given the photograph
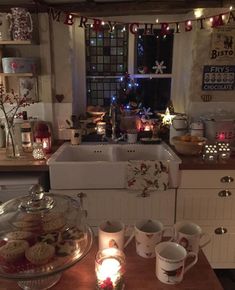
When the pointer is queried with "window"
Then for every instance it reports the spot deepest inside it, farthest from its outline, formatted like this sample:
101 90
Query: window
107 61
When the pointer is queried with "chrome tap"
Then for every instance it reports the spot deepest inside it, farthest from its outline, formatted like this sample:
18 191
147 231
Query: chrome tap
113 112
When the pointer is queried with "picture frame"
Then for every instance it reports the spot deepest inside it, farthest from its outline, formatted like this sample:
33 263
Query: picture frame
28 87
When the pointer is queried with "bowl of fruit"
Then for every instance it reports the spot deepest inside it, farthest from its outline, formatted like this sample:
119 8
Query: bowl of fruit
189 145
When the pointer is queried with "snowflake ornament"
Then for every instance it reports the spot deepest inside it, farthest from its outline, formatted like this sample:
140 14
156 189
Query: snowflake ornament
159 67
146 113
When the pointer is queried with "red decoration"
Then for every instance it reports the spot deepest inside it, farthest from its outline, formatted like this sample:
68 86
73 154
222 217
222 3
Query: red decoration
69 19
165 29
83 21
188 25
217 21
97 24
43 135
134 28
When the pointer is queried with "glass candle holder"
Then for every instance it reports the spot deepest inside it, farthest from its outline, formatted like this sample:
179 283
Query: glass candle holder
38 152
110 269
100 128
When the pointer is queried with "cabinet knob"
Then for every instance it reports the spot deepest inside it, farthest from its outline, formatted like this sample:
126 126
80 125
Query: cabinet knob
82 195
224 193
227 179
220 231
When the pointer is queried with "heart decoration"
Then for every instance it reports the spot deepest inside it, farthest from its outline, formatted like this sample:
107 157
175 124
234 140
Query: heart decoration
59 98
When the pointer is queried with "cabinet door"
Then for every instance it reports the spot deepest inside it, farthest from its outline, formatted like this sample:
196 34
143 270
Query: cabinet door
129 207
220 252
206 206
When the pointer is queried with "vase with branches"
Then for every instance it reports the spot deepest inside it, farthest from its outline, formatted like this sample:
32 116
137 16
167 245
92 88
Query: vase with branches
10 103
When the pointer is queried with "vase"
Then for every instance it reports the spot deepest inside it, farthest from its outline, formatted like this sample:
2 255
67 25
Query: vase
12 147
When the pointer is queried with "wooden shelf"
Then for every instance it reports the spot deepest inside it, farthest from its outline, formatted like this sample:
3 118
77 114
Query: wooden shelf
17 74
15 42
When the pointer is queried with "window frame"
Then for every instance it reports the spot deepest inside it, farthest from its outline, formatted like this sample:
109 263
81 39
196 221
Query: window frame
79 103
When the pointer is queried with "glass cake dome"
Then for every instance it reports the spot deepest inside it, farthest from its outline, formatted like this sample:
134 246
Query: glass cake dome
41 235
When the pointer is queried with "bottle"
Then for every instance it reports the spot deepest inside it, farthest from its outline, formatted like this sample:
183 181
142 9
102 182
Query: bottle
26 134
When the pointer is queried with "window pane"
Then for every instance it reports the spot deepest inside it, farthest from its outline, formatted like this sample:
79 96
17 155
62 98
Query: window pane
154 93
152 48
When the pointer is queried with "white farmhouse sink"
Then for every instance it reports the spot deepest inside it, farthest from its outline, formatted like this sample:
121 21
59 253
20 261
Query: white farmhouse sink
93 166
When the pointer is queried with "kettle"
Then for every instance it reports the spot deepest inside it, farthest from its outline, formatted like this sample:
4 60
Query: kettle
178 127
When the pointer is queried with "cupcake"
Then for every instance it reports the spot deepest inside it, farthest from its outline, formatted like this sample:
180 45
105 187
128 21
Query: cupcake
53 224
13 250
40 253
18 235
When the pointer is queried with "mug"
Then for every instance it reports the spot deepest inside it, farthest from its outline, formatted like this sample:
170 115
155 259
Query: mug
170 262
148 233
111 234
76 136
189 235
5 24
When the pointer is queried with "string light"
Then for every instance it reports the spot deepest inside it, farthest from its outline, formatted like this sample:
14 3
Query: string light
102 23
231 8
198 12
157 20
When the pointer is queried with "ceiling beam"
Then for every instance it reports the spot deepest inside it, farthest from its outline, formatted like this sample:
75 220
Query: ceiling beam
137 7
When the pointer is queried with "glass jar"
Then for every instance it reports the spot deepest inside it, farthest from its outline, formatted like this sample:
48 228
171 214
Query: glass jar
38 152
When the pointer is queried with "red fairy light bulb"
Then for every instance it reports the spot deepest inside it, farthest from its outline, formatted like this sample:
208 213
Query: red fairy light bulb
43 135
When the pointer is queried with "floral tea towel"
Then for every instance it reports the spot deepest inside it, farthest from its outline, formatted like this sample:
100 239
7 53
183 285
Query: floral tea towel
147 175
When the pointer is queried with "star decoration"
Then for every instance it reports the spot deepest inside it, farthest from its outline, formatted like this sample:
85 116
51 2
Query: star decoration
159 67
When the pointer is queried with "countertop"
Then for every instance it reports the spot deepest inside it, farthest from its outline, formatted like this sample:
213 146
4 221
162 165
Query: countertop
27 163
140 275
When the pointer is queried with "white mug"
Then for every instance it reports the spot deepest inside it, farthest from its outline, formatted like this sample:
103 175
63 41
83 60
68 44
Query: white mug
76 136
170 262
148 233
111 234
189 235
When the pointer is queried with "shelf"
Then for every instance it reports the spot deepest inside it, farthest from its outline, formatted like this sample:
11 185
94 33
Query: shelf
15 42
17 74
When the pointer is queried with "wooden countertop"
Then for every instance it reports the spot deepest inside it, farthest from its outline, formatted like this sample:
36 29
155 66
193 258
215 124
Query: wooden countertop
23 163
140 275
27 163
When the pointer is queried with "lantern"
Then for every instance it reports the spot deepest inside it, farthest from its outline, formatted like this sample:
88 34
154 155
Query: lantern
43 135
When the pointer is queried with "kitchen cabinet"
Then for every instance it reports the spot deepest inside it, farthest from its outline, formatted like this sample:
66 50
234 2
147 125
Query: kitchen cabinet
124 205
207 197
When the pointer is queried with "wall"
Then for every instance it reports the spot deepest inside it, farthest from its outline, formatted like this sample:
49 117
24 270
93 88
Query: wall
61 70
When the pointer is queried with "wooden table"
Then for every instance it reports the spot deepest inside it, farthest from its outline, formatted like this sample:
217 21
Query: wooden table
140 275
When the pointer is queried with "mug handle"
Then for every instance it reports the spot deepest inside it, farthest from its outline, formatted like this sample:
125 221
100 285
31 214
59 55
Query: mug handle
172 236
191 254
208 240
127 228
31 22
9 18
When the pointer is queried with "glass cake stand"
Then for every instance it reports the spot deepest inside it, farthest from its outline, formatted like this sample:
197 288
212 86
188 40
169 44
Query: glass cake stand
41 235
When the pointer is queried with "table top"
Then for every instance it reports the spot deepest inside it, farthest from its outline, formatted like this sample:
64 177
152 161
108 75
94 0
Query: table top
140 275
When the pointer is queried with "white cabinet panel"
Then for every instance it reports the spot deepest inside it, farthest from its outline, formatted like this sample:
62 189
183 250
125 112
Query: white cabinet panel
126 206
221 250
205 206
206 179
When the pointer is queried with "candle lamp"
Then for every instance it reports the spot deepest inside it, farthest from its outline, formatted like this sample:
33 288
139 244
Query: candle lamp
100 128
43 135
38 153
110 269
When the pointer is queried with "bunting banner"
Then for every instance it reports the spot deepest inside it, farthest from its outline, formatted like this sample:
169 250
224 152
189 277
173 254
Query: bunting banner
148 28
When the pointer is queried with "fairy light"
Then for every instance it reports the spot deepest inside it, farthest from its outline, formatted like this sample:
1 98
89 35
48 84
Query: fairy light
231 8
189 23
211 19
102 23
91 25
157 20
223 17
198 12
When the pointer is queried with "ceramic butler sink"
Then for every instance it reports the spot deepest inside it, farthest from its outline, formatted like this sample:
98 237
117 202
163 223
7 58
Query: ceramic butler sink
93 166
